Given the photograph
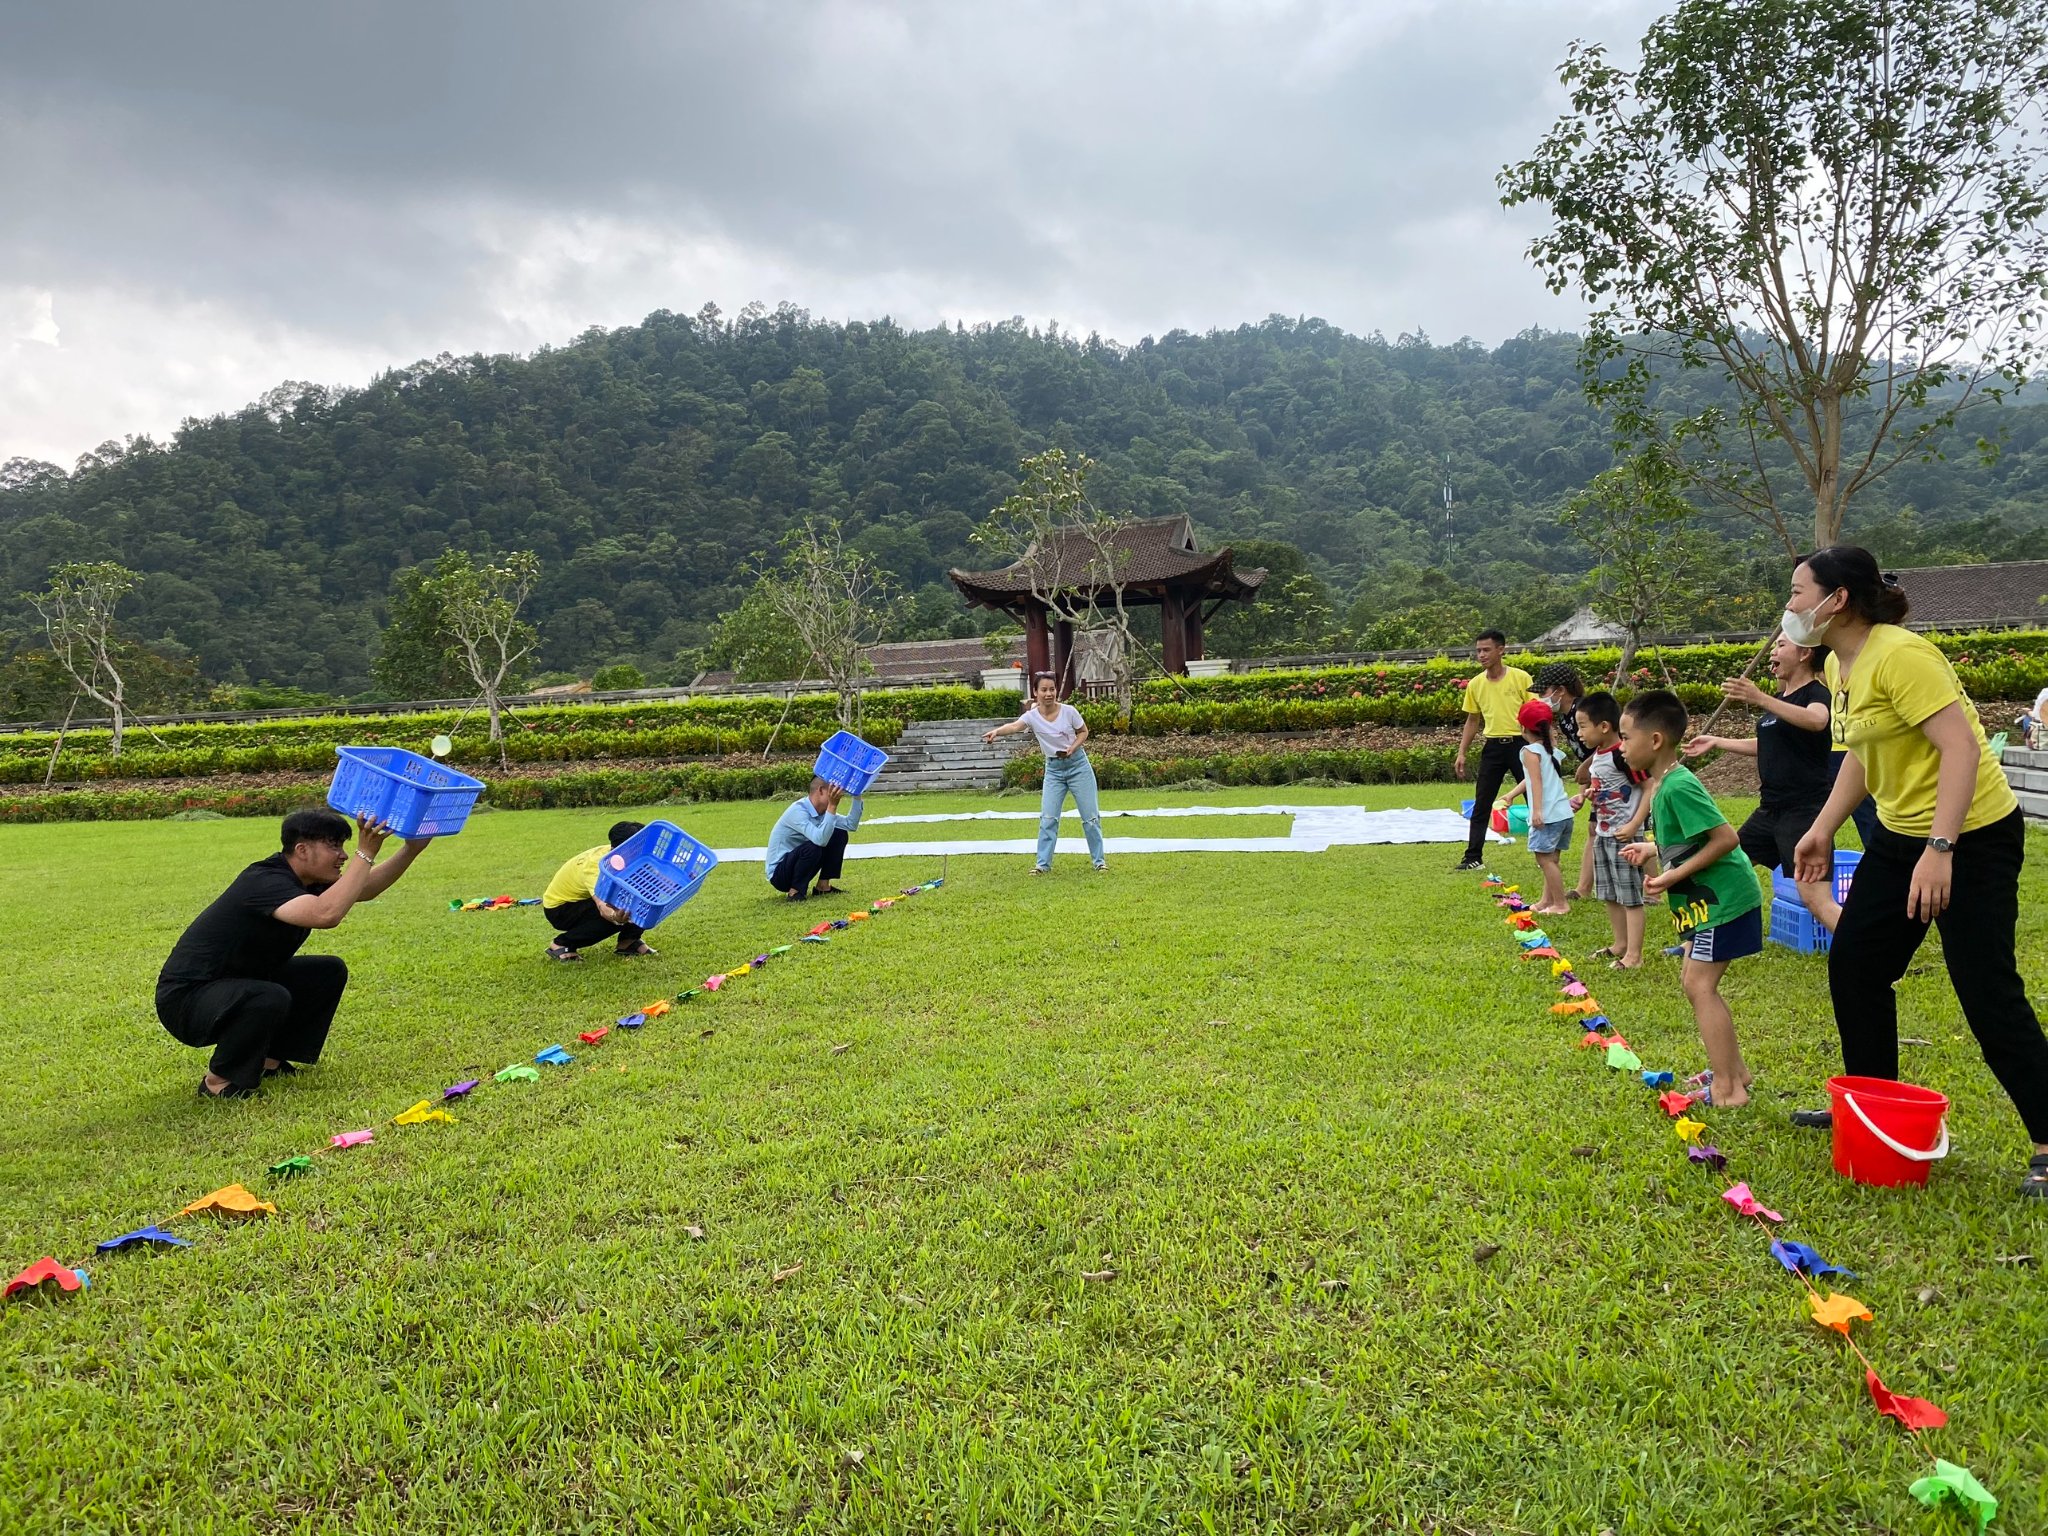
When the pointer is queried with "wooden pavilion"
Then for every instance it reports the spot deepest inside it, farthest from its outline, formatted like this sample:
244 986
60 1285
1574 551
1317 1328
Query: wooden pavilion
1153 559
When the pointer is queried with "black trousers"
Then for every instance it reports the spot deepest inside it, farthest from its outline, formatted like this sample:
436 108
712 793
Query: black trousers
1864 817
1499 759
809 861
246 1020
1876 942
582 925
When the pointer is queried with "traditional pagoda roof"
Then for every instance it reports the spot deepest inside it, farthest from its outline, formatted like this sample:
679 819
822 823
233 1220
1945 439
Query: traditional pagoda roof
1147 556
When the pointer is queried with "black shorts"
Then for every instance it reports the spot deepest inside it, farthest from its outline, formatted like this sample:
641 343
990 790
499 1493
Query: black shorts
1770 838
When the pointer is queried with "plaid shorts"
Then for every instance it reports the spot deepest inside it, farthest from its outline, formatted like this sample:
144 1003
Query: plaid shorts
1614 878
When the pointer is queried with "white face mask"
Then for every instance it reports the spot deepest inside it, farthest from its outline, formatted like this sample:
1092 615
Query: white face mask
1805 628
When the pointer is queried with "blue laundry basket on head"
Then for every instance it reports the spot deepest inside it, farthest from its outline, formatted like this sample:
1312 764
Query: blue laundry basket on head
849 762
412 795
653 872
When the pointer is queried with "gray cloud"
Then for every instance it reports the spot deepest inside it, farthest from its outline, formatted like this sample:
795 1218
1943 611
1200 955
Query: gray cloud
216 196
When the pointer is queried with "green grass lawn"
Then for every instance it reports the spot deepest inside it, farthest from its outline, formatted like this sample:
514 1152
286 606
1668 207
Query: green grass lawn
1283 1097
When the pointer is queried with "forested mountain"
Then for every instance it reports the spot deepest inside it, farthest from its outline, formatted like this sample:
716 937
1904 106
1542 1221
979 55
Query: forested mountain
649 465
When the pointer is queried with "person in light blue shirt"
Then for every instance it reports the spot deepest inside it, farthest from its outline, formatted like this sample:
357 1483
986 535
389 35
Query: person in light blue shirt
809 841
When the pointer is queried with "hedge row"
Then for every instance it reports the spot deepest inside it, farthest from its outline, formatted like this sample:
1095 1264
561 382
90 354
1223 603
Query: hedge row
1400 765
2002 664
814 712
603 786
150 762
1443 707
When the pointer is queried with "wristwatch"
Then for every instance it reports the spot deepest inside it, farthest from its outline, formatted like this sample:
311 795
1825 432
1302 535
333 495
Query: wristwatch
1942 844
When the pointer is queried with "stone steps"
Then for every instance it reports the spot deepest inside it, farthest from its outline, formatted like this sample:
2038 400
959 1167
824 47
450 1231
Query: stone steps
2027 772
944 754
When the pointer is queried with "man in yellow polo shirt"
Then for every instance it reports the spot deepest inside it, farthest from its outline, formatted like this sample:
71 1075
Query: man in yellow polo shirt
1492 700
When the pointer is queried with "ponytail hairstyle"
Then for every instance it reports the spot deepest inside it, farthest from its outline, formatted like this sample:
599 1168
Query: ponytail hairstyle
1875 596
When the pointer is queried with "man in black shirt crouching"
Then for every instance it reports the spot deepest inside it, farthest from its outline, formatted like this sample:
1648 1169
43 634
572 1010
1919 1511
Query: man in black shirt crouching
236 981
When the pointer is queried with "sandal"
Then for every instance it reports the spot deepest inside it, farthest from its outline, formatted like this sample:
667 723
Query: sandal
1814 1119
282 1068
2035 1185
638 950
1617 965
229 1092
558 952
1609 953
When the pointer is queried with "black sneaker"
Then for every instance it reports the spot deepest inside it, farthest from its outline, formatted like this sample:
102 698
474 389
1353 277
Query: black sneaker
2035 1185
1814 1119
1465 866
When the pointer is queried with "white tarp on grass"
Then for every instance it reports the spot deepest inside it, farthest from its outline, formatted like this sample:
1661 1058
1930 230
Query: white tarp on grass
1315 827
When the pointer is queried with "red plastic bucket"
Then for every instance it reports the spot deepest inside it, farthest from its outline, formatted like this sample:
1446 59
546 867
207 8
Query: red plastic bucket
1887 1133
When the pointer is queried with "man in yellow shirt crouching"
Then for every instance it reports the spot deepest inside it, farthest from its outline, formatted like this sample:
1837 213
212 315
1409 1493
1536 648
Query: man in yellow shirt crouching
570 903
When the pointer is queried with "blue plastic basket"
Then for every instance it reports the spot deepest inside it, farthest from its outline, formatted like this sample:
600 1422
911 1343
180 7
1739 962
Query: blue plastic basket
653 872
1784 888
1794 927
849 762
412 795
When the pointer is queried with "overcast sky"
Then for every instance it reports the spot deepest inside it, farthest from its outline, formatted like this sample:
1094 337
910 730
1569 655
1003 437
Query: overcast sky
204 198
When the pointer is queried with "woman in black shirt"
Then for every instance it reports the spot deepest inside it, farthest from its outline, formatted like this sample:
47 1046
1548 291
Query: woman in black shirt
1791 748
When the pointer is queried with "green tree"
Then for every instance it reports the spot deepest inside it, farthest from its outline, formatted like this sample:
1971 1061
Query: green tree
480 606
1293 612
1422 627
835 603
755 644
77 610
1653 563
1072 553
1836 207
415 658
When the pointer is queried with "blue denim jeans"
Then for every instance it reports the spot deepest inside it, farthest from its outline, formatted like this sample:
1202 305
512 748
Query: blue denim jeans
1066 776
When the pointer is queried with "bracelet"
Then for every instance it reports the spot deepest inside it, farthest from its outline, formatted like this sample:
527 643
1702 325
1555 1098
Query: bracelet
366 858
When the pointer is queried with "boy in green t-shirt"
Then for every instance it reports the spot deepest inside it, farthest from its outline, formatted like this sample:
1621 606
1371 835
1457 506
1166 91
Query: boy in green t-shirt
1715 906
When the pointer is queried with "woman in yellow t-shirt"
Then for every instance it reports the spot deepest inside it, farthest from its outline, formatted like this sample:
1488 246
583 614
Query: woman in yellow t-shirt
1949 839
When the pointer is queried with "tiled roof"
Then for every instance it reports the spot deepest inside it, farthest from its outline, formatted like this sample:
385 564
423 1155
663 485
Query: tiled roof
1977 594
1147 551
914 661
933 658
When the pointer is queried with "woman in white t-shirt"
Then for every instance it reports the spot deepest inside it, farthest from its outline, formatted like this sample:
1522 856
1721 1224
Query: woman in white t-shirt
1060 731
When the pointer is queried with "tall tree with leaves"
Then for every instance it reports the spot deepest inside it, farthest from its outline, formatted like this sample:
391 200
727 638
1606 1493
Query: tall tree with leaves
480 615
1838 207
1073 555
77 610
415 659
835 602
1653 563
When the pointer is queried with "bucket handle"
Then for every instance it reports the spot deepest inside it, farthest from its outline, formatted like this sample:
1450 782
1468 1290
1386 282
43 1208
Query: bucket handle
1935 1155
